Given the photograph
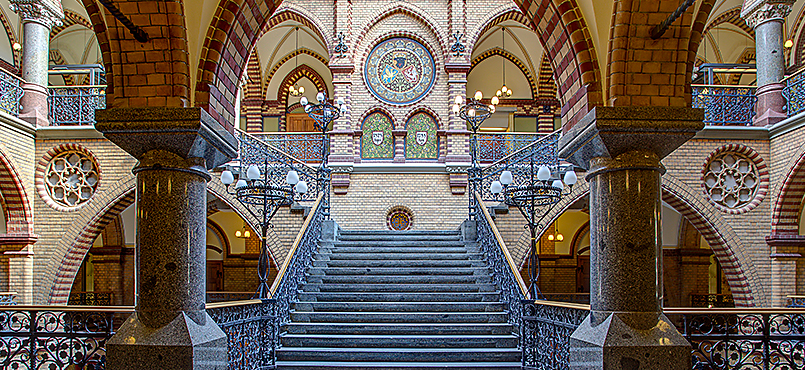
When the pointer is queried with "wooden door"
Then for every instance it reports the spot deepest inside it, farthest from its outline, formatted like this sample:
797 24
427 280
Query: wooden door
215 276
299 122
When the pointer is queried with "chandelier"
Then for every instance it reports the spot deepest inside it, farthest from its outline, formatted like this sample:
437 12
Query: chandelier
296 89
503 91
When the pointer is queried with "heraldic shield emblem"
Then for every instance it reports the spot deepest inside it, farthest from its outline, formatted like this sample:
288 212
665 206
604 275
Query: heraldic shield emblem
377 137
421 138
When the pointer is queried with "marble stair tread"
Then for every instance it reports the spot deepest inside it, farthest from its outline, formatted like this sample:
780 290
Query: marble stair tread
398 271
326 256
465 354
399 296
399 341
398 236
410 287
398 279
313 365
405 263
399 306
400 317
401 328
343 232
400 243
371 249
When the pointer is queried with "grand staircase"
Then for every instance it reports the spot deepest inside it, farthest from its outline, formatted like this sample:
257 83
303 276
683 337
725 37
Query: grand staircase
399 300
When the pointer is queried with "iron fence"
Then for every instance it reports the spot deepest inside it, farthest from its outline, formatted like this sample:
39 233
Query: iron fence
7 298
725 105
494 147
794 93
51 337
303 146
251 330
11 93
75 105
545 333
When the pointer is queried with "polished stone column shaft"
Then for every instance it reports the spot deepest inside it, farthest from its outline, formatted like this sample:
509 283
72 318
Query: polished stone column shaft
36 37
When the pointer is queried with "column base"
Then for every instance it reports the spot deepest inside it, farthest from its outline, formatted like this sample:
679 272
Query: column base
181 344
615 345
770 104
34 105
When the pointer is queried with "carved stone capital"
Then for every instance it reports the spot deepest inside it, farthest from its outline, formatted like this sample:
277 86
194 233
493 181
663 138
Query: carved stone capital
48 13
759 11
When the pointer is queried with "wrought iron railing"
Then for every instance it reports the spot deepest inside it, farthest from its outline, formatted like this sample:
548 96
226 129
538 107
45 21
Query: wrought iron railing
545 333
504 271
75 105
251 330
7 298
544 151
11 93
57 337
794 93
285 290
304 146
91 298
494 147
712 300
725 105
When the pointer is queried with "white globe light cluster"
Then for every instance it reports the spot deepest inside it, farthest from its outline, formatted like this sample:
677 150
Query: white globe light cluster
253 173
543 174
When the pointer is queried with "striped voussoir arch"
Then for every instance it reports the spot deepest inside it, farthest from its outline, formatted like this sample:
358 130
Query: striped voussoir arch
18 208
785 216
496 51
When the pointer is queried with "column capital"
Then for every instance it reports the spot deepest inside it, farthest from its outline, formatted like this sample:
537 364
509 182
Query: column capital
759 11
48 13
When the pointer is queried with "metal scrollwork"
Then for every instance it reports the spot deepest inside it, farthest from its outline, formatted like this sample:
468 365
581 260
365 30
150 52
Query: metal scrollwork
458 48
302 146
794 94
545 334
341 48
725 105
252 334
11 93
543 151
75 106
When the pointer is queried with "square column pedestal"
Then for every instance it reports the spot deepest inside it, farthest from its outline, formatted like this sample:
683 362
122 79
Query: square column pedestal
621 148
175 147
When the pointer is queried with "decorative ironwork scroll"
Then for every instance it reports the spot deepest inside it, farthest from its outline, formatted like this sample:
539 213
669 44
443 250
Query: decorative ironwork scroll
725 105
305 147
494 147
545 333
794 93
75 105
251 330
11 93
544 151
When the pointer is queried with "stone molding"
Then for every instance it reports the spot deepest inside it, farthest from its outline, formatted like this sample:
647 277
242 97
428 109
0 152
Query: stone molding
48 13
755 14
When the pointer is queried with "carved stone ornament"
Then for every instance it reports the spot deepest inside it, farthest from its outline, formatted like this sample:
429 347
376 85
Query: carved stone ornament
46 12
757 12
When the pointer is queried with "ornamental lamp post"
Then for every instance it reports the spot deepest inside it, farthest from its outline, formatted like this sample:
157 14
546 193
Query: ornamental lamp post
475 113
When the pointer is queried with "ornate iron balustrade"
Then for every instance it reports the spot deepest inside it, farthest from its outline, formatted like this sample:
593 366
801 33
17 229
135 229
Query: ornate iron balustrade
285 290
57 337
504 272
91 298
251 330
304 146
545 333
712 300
75 105
11 93
7 298
725 105
494 147
794 93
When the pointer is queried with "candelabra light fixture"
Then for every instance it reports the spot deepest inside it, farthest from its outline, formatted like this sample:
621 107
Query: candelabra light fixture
295 89
504 91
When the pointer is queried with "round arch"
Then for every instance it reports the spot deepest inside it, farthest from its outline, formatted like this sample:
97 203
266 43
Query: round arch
411 11
785 211
511 58
18 208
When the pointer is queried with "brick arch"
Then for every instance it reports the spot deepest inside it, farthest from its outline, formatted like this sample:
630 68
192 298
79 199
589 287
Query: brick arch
16 54
730 16
696 33
17 205
785 211
727 247
96 19
498 16
423 109
113 233
292 12
376 109
70 18
303 71
546 85
270 74
412 11
496 51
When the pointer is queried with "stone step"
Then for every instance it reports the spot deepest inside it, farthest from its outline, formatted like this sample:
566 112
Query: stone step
398 354
400 297
428 288
398 306
343 232
399 263
399 243
398 236
368 249
398 256
399 317
313 365
399 279
405 328
398 341
321 271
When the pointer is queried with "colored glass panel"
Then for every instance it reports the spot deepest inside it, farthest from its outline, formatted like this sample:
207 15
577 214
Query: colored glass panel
399 71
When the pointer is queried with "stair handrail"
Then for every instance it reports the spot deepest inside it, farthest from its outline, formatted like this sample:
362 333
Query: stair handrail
292 273
504 270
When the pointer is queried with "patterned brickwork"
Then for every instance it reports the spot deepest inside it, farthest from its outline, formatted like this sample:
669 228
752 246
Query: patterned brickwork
70 18
303 71
12 39
269 74
19 218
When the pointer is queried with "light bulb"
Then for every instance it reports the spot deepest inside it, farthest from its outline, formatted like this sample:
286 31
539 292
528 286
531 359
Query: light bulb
509 93
479 95
471 112
17 46
292 177
498 93
240 184
320 97
491 108
570 178
560 237
247 234
303 101
558 184
227 178
456 108
458 100
343 109
292 90
301 187
496 187
550 237
238 234
506 177
253 173
301 90
504 88
544 173
788 43
495 100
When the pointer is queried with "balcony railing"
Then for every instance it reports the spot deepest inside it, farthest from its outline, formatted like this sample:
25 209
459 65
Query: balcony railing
252 332
304 146
545 333
725 105
794 93
10 93
75 105
712 300
494 147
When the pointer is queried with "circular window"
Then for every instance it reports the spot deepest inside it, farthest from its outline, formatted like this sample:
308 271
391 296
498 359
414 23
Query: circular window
399 71
733 181
398 219
69 179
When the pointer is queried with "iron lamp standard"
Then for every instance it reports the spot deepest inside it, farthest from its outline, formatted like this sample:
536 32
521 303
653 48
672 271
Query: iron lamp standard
475 113
263 193
534 197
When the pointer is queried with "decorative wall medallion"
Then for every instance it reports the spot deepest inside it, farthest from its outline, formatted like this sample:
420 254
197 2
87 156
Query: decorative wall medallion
735 179
399 71
69 179
421 140
377 141
377 137
399 219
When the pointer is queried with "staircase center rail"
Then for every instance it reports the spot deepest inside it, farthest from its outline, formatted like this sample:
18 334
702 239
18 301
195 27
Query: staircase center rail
504 271
291 275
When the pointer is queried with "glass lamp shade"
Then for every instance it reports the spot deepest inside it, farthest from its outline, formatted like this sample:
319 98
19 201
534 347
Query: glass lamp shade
238 233
292 177
320 97
558 184
479 95
301 90
253 172
550 236
456 108
560 237
303 101
471 112
506 177
227 177
340 101
495 100
240 184
570 178
458 100
544 173
496 187
301 187
491 108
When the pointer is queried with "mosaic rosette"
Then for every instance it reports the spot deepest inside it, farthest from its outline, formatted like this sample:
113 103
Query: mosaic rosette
421 141
399 219
377 141
399 71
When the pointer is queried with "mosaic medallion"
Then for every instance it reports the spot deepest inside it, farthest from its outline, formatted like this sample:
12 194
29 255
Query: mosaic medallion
421 141
398 219
377 141
399 71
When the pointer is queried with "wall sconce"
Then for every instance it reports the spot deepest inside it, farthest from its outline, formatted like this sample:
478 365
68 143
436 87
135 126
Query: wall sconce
245 233
558 237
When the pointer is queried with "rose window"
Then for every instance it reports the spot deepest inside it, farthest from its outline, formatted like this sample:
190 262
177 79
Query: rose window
398 219
71 178
731 180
